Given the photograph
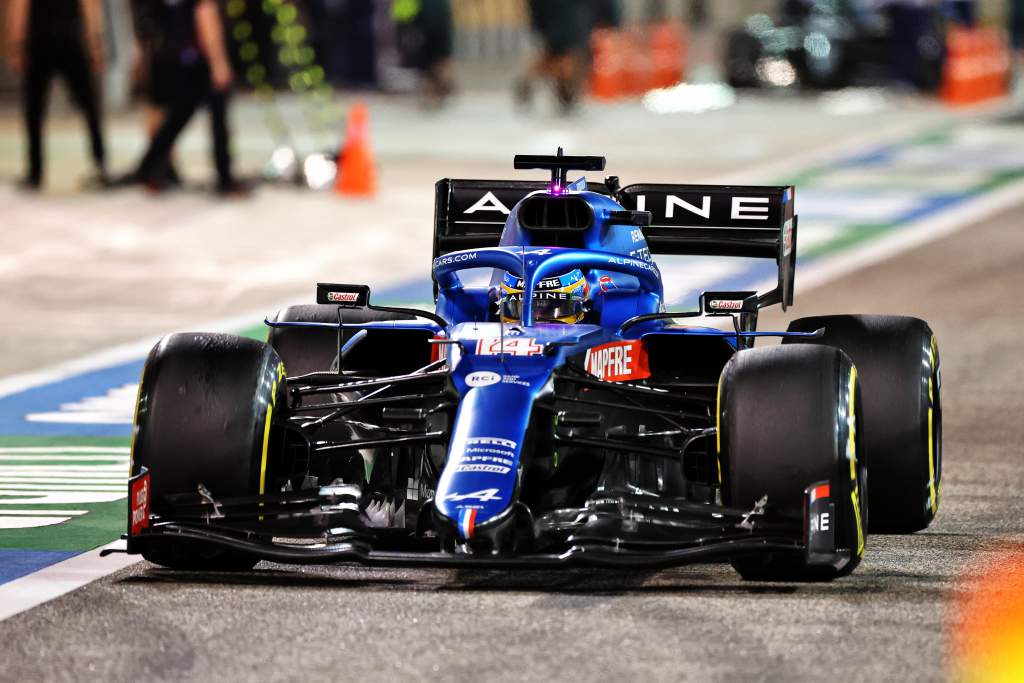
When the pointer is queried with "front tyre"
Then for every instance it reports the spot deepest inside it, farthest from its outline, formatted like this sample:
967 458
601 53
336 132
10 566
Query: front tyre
206 402
787 419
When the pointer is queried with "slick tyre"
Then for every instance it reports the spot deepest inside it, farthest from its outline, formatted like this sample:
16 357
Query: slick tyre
205 406
311 349
788 419
897 359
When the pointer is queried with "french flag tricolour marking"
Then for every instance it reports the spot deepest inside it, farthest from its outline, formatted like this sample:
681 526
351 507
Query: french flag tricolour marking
467 518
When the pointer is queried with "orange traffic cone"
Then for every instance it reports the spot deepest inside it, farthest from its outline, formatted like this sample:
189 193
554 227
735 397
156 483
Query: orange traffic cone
607 66
357 175
977 66
960 72
668 48
638 68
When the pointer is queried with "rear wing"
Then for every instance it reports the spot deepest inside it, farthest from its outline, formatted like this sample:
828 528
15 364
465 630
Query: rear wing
696 220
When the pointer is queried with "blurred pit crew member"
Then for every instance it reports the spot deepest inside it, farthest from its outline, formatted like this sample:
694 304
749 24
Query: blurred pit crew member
155 69
201 73
426 39
564 31
48 37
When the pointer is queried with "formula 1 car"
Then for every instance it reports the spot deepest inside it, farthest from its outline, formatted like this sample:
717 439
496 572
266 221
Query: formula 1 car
835 44
558 416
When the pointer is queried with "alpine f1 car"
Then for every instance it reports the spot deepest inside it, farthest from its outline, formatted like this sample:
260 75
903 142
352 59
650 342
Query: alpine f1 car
557 416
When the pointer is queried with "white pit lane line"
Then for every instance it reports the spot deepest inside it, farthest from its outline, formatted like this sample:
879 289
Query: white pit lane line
124 353
47 584
54 581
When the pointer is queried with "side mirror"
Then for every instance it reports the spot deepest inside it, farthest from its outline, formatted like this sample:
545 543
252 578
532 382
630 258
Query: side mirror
350 296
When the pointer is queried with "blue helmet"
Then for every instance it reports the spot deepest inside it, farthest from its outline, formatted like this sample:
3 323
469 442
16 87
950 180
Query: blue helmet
560 299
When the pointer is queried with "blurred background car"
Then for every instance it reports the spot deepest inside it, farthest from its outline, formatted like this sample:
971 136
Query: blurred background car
836 43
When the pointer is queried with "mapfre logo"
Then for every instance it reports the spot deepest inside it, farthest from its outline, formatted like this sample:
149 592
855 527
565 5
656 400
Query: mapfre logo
618 361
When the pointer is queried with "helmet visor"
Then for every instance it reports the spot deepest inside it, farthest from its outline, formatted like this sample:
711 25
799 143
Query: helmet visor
548 307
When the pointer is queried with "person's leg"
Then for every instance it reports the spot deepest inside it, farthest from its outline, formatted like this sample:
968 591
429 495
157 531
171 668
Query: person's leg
36 87
906 23
565 82
435 20
163 87
165 171
74 66
176 117
217 102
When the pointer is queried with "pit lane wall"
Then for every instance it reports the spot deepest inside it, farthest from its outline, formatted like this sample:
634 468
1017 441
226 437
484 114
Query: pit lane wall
64 441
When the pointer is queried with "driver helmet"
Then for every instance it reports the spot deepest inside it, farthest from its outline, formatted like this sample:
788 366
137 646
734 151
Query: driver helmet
559 299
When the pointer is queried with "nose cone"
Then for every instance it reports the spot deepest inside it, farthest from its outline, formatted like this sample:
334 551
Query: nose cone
480 483
480 480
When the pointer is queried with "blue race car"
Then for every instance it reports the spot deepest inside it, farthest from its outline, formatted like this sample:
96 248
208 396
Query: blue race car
557 415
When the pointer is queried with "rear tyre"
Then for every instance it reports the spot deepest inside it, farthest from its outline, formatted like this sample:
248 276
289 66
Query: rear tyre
788 418
898 361
205 406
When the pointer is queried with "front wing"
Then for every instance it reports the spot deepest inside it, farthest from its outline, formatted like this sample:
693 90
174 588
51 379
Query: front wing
627 531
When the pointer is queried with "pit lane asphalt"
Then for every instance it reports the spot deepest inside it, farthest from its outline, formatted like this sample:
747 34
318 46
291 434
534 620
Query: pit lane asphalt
889 621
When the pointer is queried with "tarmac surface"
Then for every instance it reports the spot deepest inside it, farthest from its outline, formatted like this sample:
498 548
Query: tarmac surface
891 620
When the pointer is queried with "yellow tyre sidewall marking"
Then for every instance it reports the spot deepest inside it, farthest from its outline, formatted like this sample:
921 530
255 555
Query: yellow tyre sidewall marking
266 428
718 427
851 454
933 494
